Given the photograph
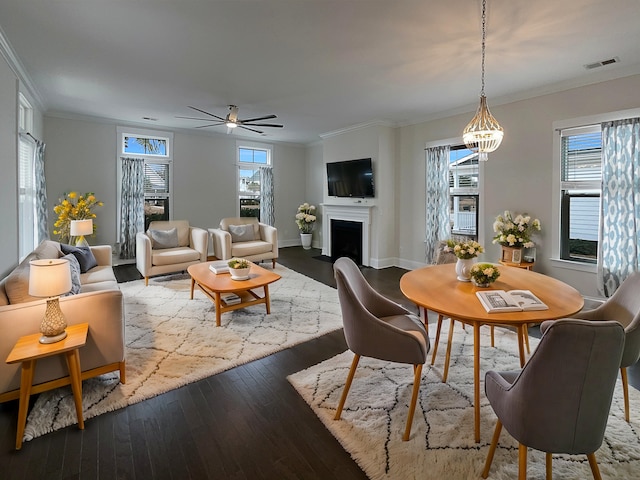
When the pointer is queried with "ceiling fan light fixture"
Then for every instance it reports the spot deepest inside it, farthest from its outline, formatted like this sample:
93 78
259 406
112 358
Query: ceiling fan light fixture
483 134
231 124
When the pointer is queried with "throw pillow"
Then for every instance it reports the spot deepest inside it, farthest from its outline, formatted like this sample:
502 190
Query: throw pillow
164 238
84 255
74 266
241 233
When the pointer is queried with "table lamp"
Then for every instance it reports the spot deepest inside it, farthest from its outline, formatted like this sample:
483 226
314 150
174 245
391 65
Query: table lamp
80 228
50 278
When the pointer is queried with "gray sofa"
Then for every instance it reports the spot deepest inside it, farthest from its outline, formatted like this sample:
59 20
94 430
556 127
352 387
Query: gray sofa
99 303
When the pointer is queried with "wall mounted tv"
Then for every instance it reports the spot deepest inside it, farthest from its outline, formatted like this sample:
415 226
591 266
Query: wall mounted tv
351 178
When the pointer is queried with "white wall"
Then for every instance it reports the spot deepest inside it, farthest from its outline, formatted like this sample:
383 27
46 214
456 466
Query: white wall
314 184
518 176
10 86
81 156
378 142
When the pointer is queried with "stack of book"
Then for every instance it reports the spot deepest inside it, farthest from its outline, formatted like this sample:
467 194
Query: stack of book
230 298
219 266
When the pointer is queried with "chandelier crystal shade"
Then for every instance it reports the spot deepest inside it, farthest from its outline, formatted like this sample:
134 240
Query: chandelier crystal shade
483 134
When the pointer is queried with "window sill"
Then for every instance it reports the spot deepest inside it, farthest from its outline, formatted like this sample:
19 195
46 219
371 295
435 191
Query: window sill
577 266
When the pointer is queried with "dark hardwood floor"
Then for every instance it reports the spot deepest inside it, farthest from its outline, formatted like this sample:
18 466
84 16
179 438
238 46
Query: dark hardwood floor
245 423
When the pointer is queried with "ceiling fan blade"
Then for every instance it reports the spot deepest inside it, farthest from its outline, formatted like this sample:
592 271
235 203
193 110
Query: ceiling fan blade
252 129
210 125
267 117
195 118
207 113
263 124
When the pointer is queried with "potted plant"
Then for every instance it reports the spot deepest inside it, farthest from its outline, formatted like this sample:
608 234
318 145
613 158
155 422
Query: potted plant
466 251
305 219
514 234
239 268
484 274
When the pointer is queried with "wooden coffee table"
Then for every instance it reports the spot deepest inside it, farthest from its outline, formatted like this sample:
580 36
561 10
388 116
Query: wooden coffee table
213 285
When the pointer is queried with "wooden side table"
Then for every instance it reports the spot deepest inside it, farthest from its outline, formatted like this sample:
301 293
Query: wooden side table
525 265
28 350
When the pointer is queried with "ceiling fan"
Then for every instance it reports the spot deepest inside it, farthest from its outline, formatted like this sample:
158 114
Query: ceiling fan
232 120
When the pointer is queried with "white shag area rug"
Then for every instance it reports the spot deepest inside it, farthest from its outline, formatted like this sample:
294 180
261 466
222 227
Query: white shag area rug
173 341
442 440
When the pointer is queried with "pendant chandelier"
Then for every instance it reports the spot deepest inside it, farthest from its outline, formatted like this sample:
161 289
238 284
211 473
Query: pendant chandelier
483 134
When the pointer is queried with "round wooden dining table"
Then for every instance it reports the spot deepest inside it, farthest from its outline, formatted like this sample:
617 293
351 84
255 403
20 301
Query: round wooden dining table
436 288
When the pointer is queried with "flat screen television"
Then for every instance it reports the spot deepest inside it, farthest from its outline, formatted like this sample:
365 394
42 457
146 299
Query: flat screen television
350 178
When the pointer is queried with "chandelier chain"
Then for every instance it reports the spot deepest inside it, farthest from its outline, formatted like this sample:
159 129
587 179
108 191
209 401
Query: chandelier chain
484 36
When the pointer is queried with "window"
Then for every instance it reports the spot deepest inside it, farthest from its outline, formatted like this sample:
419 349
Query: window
581 165
155 148
250 159
463 192
27 227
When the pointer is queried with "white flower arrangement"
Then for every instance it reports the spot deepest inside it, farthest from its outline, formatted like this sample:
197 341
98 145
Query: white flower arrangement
484 273
515 232
305 218
464 250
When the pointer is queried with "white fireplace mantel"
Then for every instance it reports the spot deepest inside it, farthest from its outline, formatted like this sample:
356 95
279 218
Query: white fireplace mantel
349 213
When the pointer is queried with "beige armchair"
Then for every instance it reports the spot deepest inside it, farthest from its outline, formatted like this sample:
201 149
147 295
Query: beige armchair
245 237
170 246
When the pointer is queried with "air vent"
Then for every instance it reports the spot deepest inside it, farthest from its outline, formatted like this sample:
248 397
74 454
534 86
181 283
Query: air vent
602 63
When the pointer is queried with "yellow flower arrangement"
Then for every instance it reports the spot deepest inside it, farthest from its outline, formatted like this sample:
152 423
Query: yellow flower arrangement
73 206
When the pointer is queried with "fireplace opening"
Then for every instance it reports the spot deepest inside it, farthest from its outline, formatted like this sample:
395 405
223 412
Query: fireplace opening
346 240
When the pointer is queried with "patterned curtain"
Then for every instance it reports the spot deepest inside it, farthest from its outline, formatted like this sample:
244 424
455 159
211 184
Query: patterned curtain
266 196
131 205
619 245
41 212
437 221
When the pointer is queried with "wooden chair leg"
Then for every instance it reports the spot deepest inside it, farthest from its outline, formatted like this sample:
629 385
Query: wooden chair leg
445 373
437 339
594 466
273 263
625 392
417 377
345 392
522 462
526 338
492 449
548 462
146 281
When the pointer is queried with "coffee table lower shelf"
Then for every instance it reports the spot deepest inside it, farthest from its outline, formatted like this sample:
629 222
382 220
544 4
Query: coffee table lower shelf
247 299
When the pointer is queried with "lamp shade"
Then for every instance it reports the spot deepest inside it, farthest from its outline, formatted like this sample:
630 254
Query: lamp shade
49 277
81 227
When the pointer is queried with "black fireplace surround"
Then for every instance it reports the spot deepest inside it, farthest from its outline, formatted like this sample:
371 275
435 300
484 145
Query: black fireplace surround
346 240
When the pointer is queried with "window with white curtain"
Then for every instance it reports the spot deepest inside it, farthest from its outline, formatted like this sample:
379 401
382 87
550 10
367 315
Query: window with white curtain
580 183
156 148
27 228
250 158
464 192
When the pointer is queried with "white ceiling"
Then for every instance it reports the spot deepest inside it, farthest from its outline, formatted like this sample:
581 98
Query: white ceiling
319 65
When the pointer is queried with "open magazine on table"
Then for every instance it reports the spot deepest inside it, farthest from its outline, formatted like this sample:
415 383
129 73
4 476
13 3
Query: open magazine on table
495 301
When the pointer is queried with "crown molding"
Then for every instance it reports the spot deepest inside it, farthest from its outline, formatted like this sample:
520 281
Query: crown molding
16 66
359 126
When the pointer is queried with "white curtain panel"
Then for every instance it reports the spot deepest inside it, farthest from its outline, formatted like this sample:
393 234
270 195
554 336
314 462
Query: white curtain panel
267 210
42 215
619 245
131 205
437 199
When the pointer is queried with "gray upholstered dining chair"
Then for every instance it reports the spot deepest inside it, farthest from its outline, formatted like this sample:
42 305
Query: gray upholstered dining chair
376 327
623 307
560 401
